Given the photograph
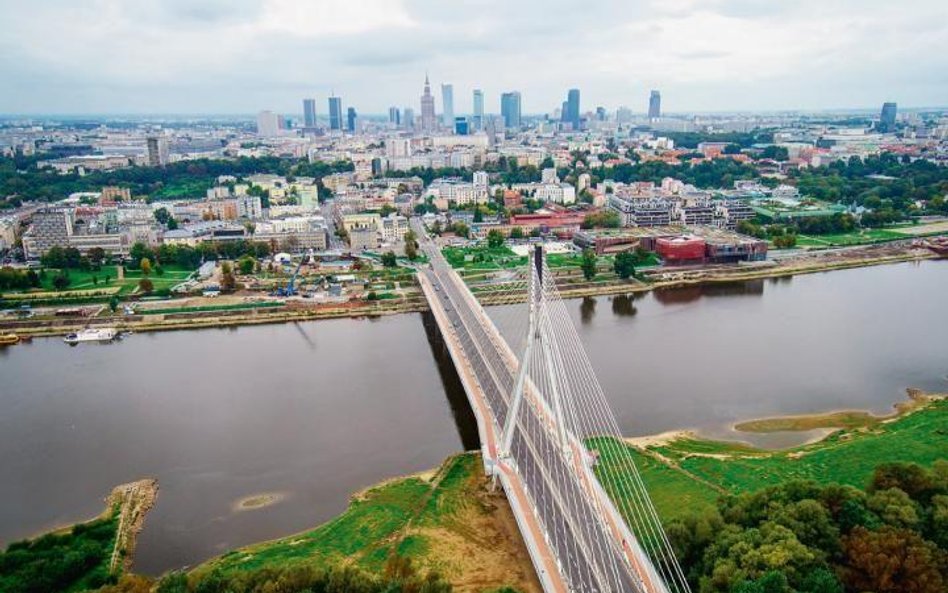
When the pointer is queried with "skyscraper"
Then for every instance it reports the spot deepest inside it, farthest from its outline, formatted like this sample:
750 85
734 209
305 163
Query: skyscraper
655 105
571 109
478 109
335 113
447 103
268 124
462 127
510 109
427 108
887 118
309 113
351 116
157 151
408 117
394 116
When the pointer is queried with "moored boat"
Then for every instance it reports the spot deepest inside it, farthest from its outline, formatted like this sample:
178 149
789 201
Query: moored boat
9 339
103 334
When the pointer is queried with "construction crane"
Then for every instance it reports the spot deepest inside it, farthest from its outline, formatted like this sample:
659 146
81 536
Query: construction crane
290 288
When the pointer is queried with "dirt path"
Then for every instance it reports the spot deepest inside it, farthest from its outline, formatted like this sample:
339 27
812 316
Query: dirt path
133 500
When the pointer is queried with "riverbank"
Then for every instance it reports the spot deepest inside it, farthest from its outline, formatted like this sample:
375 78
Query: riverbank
268 311
85 555
449 521
685 473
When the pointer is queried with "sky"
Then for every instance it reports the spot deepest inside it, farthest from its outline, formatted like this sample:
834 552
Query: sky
243 56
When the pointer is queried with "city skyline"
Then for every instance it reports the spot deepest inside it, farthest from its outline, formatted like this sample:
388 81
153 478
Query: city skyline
241 57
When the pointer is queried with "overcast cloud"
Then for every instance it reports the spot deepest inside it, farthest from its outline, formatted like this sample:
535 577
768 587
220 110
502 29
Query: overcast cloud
240 56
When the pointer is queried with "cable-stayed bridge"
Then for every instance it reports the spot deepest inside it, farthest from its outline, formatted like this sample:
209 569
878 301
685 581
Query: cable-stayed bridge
545 426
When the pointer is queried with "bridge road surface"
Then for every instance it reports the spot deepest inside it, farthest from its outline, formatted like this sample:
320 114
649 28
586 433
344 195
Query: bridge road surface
570 548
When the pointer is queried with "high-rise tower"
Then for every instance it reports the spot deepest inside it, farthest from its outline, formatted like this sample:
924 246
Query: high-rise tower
335 113
655 105
510 109
427 108
447 104
478 109
309 113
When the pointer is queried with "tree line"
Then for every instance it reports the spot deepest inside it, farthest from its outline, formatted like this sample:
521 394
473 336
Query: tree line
800 537
21 179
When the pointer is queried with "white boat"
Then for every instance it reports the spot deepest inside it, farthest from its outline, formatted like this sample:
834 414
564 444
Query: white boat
104 334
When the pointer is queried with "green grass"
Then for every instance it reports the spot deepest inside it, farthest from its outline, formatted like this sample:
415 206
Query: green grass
862 237
90 281
482 257
371 527
688 474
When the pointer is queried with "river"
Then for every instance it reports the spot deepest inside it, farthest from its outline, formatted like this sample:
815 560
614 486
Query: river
316 411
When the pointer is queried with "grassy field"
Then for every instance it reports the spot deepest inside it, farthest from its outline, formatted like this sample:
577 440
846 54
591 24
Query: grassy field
449 522
482 257
209 308
687 474
861 237
106 280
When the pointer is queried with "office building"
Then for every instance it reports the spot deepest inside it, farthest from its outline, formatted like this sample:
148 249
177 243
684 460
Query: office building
655 105
335 113
351 116
157 151
447 103
408 117
600 113
394 116
427 108
570 113
510 109
309 113
461 126
887 117
478 121
268 124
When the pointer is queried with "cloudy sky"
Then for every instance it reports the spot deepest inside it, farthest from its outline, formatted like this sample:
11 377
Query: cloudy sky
241 56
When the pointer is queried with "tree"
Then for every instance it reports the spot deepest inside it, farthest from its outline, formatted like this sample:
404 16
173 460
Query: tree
462 230
588 264
732 149
495 239
162 215
145 285
172 224
624 265
54 257
478 214
516 233
389 260
246 265
113 303
228 282
96 256
61 281
891 560
411 245
145 265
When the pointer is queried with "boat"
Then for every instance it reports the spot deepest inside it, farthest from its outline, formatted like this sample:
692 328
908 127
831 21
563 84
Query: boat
9 339
104 334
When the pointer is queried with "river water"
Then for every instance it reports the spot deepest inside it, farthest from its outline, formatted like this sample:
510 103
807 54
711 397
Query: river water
316 411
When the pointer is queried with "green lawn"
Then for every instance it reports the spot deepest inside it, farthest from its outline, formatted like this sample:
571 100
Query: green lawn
209 308
372 525
482 257
855 238
688 474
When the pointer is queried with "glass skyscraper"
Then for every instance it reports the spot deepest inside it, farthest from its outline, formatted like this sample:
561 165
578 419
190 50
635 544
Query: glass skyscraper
335 113
309 113
510 109
478 109
447 103
655 105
